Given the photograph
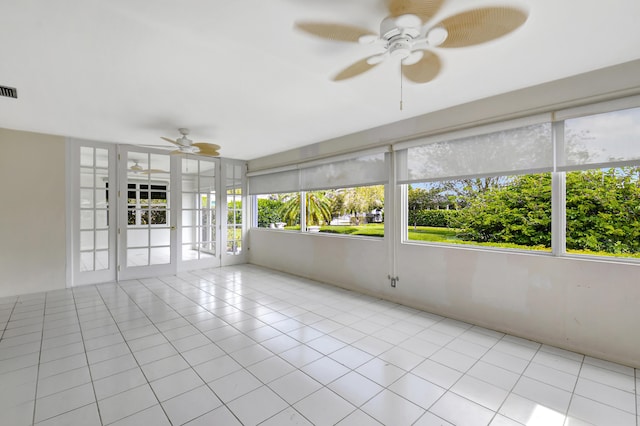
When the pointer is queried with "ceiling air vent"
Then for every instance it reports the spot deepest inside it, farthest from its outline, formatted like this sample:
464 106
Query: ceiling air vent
9 92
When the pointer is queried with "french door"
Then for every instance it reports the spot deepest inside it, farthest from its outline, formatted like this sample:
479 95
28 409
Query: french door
147 213
138 212
199 239
91 253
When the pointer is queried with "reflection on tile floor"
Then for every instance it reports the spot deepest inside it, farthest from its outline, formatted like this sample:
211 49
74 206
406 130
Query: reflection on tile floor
247 345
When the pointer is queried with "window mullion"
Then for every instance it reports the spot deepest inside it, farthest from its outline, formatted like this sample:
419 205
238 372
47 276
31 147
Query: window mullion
558 214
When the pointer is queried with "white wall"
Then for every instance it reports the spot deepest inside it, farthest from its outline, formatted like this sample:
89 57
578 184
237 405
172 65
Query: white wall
586 306
32 212
354 263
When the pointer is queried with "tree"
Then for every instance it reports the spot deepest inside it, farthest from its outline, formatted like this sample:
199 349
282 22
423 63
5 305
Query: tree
363 199
518 211
603 210
318 209
269 211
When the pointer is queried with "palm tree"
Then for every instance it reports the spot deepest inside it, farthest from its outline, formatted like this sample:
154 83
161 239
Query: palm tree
317 206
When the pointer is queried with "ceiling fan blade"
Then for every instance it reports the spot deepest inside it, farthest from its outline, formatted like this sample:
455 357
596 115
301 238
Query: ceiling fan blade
355 69
170 140
425 70
176 152
207 149
207 145
424 9
480 25
153 171
209 154
339 32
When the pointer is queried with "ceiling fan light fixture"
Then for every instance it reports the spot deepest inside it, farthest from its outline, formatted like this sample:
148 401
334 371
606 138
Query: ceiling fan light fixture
413 58
400 48
436 36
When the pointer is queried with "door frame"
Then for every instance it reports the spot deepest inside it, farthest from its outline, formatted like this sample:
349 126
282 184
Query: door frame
125 272
75 276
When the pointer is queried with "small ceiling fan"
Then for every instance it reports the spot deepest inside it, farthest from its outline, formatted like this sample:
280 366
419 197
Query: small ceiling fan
187 146
138 169
408 34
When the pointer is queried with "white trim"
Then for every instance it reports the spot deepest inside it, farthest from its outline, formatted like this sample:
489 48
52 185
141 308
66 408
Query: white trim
603 165
474 131
344 157
273 170
598 108
321 160
70 197
478 175
558 214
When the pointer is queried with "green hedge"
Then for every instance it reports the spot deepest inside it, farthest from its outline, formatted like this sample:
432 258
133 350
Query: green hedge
437 218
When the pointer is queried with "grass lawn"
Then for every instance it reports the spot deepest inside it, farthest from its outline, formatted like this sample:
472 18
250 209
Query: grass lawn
368 230
445 235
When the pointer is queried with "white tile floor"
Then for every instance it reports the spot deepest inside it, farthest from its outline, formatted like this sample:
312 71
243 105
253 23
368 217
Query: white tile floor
246 345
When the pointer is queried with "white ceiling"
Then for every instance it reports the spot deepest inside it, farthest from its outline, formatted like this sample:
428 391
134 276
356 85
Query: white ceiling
238 74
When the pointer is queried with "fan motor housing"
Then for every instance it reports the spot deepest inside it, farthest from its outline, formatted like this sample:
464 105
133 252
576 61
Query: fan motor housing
400 47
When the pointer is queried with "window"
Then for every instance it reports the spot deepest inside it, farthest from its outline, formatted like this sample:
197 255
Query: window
603 212
345 211
495 211
566 183
602 158
344 196
357 211
488 189
272 211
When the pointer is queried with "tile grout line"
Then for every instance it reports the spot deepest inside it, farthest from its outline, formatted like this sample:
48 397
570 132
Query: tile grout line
635 385
9 318
35 395
573 392
93 387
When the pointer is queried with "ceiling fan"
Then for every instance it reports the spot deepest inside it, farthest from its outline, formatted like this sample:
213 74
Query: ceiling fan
408 34
138 169
187 146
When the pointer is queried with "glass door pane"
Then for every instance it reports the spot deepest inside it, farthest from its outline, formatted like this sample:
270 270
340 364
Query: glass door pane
234 207
148 227
198 219
94 248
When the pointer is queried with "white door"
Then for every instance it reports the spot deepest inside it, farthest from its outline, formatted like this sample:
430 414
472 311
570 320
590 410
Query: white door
233 209
199 237
92 212
146 213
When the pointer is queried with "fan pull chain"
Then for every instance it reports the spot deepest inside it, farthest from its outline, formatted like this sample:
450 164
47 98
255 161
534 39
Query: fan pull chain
400 85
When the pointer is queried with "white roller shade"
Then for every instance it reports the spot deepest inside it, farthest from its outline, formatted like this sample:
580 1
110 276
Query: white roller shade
601 140
527 149
358 171
274 183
